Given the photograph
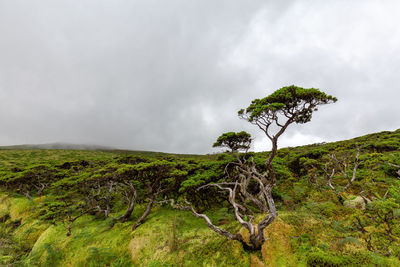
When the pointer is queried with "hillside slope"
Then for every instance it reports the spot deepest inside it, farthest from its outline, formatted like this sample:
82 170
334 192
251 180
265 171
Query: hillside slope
315 225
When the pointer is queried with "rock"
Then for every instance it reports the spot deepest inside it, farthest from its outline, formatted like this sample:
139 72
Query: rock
357 203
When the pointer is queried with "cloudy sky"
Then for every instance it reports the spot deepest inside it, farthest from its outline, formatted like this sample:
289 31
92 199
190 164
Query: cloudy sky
171 75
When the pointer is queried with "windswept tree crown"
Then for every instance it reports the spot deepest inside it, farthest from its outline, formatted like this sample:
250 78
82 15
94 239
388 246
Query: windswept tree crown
295 103
234 141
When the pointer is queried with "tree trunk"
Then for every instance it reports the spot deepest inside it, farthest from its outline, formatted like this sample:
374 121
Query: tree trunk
69 229
28 196
145 214
128 212
131 202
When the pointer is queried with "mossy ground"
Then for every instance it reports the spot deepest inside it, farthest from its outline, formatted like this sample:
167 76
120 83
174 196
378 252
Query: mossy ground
294 239
98 243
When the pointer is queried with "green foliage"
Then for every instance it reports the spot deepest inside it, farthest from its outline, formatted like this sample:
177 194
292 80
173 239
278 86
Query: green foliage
281 170
234 141
105 257
321 258
327 209
379 223
391 162
206 172
32 232
329 259
291 100
53 255
306 161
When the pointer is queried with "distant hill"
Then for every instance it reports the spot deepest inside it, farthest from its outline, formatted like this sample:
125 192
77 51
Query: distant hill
380 141
64 146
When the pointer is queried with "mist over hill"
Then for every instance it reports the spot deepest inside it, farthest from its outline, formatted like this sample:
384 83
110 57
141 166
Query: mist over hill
94 147
59 145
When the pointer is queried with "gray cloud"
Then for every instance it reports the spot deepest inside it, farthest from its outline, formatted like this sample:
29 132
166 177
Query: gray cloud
170 76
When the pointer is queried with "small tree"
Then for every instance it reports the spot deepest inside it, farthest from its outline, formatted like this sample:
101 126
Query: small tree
155 178
101 195
35 179
272 114
66 208
234 141
341 165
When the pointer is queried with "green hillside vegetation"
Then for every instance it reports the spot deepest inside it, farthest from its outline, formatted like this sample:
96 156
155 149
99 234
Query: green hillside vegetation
313 228
327 204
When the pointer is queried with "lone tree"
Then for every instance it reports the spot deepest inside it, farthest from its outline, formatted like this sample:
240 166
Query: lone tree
248 186
234 141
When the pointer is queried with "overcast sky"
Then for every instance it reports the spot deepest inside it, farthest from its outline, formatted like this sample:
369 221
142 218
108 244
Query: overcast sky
171 75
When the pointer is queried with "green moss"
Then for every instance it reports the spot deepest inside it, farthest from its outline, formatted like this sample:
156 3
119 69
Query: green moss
196 244
91 242
329 259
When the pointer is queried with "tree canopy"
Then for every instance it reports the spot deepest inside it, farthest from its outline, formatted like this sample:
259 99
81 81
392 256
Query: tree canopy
234 141
284 106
